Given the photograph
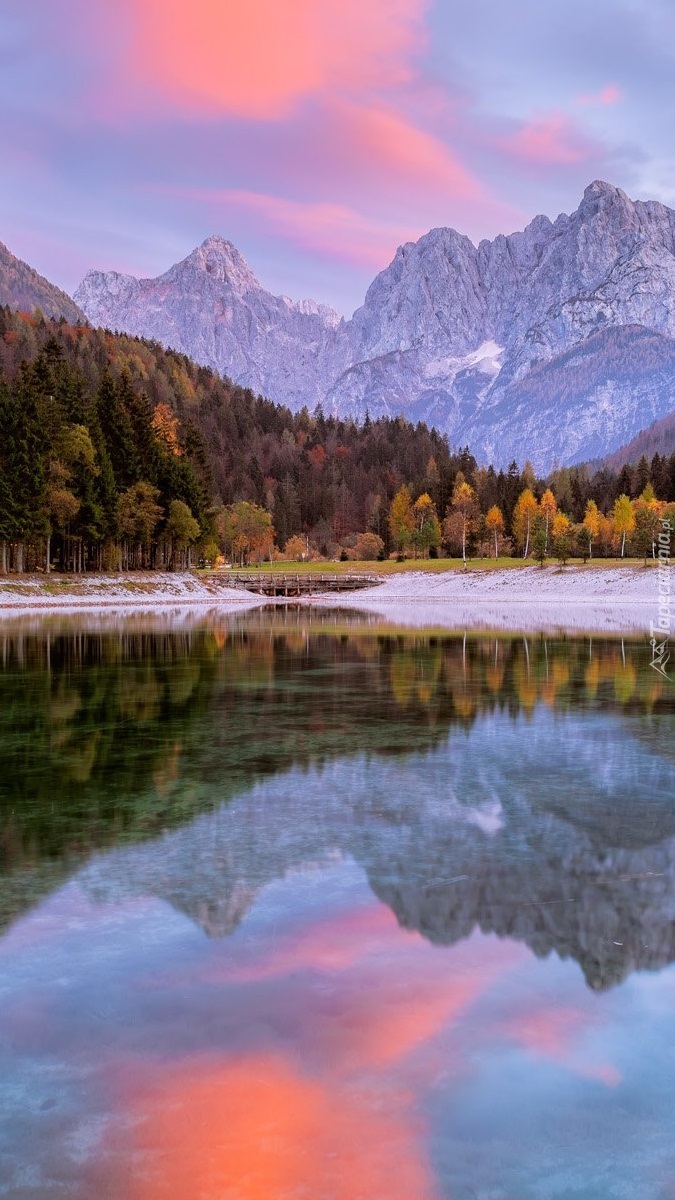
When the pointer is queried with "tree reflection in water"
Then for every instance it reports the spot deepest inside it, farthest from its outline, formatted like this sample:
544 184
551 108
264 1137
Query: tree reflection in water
112 732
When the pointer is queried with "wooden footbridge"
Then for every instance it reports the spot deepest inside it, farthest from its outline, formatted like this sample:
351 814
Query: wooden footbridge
266 584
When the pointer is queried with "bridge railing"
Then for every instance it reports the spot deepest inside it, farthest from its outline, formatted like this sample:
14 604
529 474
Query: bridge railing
289 583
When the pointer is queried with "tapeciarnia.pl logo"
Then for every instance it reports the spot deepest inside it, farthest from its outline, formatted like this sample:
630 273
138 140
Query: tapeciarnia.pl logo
660 632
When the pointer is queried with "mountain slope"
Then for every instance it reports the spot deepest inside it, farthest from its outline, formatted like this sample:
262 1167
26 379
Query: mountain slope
476 340
211 307
657 438
463 332
617 378
21 287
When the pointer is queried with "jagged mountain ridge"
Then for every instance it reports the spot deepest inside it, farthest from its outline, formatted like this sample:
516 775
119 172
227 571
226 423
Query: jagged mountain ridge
476 340
23 288
211 307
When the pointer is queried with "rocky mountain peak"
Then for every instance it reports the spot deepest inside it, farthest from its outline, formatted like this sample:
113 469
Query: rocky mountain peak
599 189
611 207
567 303
221 260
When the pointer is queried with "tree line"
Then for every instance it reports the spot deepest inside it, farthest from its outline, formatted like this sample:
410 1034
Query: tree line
116 453
539 527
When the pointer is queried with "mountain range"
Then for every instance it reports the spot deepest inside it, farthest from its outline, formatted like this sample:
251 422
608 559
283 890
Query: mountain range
559 339
556 343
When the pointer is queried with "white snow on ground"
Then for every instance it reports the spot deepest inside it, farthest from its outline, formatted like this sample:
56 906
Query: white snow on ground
155 590
616 599
610 599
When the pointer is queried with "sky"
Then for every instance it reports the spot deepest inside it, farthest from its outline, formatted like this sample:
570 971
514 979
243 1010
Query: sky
318 135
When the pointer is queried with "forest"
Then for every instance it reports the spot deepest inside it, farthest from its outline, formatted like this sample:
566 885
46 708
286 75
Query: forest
118 454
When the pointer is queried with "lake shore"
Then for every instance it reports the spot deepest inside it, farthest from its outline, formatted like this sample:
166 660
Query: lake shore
607 599
526 599
140 591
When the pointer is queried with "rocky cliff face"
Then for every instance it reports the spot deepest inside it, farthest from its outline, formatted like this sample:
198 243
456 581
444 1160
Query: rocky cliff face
211 307
21 287
559 339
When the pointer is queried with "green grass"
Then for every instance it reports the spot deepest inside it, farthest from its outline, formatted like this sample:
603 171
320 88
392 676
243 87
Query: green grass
130 582
431 565
146 586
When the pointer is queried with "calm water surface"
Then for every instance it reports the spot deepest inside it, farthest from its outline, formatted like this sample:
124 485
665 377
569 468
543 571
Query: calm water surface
301 907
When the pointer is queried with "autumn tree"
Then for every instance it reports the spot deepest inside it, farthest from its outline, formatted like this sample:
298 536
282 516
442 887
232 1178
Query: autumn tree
247 531
561 536
494 523
523 518
297 548
166 426
138 516
401 519
72 468
463 511
427 529
548 508
623 520
591 524
368 547
605 534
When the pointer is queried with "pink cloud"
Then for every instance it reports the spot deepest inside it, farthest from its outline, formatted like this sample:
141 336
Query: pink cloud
364 952
560 1034
552 140
608 95
257 1128
352 137
354 60
261 1125
404 179
331 230
332 945
383 139
262 58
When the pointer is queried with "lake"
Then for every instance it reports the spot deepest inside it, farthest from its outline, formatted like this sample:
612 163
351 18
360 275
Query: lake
298 906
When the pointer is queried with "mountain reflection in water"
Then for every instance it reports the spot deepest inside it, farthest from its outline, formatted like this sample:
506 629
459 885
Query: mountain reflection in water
292 906
522 786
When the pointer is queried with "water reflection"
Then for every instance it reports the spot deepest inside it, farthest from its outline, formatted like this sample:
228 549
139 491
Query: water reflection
305 906
519 786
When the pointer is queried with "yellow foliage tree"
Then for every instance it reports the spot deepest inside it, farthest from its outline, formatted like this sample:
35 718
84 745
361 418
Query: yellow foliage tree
623 520
463 506
523 518
494 523
548 508
591 524
401 519
167 429
296 548
427 531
